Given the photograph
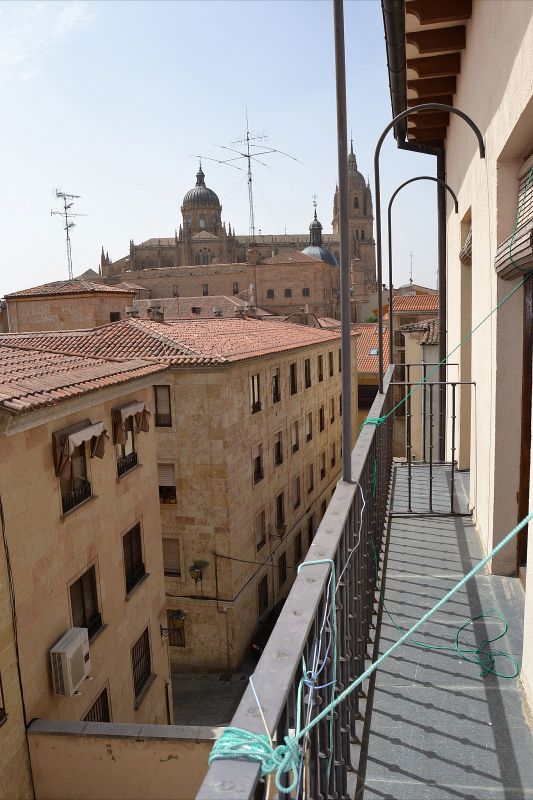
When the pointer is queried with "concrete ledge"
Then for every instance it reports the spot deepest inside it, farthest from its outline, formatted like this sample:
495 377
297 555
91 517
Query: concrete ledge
123 730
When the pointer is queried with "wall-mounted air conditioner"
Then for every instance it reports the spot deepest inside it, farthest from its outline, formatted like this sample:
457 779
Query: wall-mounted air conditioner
71 661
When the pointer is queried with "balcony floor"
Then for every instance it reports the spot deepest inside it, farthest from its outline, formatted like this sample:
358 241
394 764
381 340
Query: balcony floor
438 731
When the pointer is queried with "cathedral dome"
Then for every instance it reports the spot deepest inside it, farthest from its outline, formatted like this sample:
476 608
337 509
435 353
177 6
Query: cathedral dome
200 195
315 247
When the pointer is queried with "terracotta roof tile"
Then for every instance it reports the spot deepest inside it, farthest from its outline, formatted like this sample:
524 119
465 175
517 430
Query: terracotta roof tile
75 286
415 302
33 378
367 343
180 342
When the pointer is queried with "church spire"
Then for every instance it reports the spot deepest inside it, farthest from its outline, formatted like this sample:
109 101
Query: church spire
315 229
352 161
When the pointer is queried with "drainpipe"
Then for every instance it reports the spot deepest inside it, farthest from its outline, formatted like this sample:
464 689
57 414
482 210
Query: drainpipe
441 214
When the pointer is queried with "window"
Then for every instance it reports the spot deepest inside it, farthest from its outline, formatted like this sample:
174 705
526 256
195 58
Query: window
262 596
309 426
276 386
126 455
330 361
374 350
306 292
99 711
141 664
311 529
280 510
282 569
362 235
255 396
340 360
356 202
205 289
332 410
333 454
296 492
133 557
321 416
294 378
167 483
340 405
171 557
270 294
320 369
322 466
278 449
288 292
257 457
297 548
84 603
175 627
201 221
114 316
295 436
75 488
235 287
163 416
310 478
307 372
260 529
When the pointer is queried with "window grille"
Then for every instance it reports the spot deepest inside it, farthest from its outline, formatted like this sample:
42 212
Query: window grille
133 557
99 711
141 664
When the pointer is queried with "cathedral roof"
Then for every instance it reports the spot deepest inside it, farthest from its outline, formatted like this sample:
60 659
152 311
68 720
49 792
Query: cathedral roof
204 235
200 195
321 252
74 286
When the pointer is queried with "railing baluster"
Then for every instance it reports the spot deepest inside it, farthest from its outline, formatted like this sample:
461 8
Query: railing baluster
431 447
452 483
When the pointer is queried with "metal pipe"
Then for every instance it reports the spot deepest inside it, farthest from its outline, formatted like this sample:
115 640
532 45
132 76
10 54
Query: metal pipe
342 154
389 232
391 124
441 236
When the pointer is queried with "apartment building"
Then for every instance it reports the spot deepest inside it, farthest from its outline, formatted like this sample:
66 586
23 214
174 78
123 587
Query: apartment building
81 556
248 424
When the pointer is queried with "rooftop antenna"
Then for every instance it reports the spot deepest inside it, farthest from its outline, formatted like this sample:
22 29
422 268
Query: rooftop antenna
67 214
249 147
411 269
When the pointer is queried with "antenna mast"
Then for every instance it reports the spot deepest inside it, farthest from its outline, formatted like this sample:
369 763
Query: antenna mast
67 214
411 270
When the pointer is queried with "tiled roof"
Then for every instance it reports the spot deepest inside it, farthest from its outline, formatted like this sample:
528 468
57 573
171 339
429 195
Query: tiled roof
415 302
33 378
292 257
429 328
180 342
367 342
75 286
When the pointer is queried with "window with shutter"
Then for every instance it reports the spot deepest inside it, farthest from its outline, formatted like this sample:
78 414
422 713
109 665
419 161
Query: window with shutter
171 557
514 256
163 416
133 557
167 483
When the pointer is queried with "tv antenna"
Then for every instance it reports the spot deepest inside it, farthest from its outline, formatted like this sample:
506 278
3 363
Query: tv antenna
67 214
249 147
411 268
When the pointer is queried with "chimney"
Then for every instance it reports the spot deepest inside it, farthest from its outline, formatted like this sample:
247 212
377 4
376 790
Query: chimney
239 312
217 312
132 311
155 311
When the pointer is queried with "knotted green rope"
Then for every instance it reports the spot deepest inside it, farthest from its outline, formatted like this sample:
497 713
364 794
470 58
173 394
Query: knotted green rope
237 743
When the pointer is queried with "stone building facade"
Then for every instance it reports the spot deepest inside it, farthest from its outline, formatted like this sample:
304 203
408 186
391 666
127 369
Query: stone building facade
248 428
82 535
203 239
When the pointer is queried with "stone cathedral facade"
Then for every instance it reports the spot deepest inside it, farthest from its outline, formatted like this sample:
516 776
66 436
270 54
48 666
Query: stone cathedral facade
204 239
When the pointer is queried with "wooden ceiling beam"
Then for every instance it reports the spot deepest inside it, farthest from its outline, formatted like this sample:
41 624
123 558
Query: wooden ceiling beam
430 119
425 87
426 134
438 40
445 99
433 12
436 66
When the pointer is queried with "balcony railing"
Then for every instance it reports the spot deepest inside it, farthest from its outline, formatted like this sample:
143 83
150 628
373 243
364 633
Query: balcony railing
76 496
348 538
125 463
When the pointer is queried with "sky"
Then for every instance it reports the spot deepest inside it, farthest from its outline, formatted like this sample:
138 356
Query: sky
114 101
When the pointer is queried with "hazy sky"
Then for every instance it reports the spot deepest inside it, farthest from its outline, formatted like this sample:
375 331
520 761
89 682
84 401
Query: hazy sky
111 101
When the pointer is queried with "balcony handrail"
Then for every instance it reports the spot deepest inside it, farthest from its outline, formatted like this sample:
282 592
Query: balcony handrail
281 661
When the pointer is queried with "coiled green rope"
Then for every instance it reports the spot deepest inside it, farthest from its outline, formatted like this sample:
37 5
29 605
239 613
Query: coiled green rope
286 758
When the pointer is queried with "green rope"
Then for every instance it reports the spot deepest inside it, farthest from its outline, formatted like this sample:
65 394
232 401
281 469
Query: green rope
475 655
287 757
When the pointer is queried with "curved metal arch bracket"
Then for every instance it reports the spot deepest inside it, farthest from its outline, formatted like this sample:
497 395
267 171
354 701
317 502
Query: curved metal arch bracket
389 233
391 124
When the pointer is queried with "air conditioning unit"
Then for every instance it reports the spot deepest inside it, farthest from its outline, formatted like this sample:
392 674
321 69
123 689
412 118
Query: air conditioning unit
71 661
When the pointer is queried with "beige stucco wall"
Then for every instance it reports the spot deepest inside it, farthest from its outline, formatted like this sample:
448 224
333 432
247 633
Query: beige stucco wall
211 444
15 780
65 312
48 551
148 762
488 188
